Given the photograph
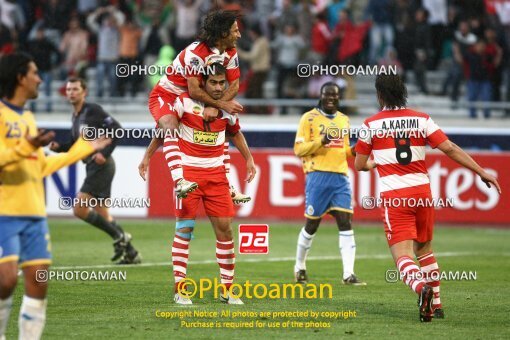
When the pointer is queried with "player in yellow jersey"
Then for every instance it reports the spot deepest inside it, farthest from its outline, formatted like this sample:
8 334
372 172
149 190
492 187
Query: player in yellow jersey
24 236
324 149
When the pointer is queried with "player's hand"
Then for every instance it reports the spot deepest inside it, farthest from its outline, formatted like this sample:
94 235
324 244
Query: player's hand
210 114
143 167
489 179
371 164
42 138
231 106
251 170
325 140
54 146
353 150
99 158
100 143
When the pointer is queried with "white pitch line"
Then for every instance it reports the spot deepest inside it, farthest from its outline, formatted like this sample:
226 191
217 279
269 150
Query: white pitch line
254 260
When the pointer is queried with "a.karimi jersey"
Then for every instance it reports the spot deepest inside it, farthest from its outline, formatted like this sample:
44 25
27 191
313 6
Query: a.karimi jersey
397 139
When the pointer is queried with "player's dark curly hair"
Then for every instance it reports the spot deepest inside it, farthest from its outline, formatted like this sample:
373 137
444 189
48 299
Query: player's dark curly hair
11 67
217 26
391 90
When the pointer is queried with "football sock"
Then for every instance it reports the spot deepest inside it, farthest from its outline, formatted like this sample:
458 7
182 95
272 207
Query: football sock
226 258
347 247
226 160
303 247
410 273
172 155
99 222
5 311
431 273
32 317
180 254
117 227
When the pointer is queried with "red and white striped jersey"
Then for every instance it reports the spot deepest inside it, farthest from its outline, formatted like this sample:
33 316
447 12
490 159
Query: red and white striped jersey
202 143
397 139
193 61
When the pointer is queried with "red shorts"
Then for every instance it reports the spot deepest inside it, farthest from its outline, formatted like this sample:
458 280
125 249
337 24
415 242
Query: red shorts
214 191
161 102
409 223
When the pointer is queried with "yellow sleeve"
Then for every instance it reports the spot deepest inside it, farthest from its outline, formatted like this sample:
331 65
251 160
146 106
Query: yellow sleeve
78 151
303 146
11 155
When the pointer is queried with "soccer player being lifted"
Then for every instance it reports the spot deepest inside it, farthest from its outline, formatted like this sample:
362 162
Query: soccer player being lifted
24 234
400 159
201 147
323 146
100 171
216 43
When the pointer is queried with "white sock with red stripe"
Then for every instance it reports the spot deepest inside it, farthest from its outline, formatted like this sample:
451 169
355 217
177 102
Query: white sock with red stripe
226 160
347 247
172 155
226 258
430 271
5 311
410 273
304 244
180 254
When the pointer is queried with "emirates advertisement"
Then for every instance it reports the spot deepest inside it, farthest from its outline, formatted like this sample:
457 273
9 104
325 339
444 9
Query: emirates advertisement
278 190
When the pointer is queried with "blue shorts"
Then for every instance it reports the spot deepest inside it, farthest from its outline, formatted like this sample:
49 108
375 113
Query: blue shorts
326 191
24 239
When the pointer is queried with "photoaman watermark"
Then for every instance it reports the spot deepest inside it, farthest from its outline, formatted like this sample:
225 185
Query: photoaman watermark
189 288
393 275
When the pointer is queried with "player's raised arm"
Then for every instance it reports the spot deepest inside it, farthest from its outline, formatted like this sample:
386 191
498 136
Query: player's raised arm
198 94
231 91
24 148
78 151
453 151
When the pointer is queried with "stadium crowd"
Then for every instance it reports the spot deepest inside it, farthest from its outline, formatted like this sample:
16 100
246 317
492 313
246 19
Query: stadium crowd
468 41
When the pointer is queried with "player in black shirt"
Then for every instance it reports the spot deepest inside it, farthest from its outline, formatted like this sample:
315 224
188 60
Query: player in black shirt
100 171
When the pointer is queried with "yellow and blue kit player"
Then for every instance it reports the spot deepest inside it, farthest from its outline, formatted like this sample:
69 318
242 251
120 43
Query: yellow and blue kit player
23 228
322 142
24 236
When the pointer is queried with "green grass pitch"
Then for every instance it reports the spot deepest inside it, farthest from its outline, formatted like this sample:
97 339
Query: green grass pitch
127 309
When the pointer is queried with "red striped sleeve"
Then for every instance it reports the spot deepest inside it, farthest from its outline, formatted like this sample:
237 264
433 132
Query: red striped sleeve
436 138
363 148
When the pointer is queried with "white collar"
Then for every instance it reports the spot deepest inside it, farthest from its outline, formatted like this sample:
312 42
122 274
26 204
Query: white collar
391 109
215 50
327 115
